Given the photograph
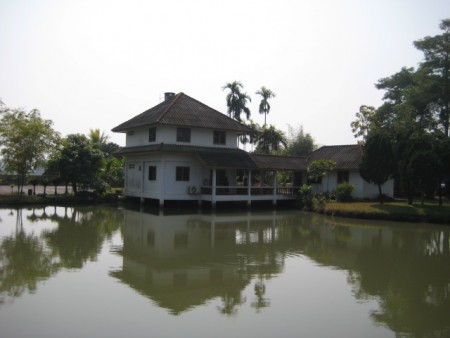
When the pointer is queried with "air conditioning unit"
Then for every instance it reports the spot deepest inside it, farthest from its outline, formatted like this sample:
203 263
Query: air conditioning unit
192 190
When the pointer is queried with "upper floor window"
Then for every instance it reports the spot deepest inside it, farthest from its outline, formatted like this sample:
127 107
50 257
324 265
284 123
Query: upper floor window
152 135
130 132
183 135
220 137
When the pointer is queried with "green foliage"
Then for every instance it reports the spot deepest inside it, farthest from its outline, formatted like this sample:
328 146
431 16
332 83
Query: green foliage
237 100
299 143
309 201
344 192
26 140
378 162
78 162
264 106
319 168
270 140
305 197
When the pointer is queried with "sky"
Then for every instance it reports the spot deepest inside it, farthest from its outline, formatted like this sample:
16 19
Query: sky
88 64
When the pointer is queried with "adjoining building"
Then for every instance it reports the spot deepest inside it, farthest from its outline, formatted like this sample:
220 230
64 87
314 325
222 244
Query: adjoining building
183 150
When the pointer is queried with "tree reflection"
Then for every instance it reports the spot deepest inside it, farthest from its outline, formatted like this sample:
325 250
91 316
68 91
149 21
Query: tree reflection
24 261
230 302
260 291
80 235
27 258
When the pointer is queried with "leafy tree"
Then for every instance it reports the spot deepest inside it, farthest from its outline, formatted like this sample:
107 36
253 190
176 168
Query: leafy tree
378 162
78 162
264 106
237 100
270 140
26 139
436 51
299 142
423 168
319 168
366 119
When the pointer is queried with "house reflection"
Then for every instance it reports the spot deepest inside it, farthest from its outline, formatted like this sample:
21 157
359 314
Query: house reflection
181 261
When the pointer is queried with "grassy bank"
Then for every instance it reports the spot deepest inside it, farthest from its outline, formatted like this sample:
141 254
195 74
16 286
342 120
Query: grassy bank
395 211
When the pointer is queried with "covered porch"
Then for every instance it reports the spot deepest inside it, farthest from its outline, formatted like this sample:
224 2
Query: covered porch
251 177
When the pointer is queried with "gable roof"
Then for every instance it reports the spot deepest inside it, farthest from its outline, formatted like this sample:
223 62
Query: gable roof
345 156
184 111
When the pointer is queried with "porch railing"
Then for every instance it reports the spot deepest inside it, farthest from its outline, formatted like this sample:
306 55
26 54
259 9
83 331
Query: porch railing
239 190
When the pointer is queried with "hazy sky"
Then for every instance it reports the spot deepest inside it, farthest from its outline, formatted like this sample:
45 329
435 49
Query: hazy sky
94 64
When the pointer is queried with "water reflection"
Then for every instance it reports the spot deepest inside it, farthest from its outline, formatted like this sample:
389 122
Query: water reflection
76 236
232 260
182 261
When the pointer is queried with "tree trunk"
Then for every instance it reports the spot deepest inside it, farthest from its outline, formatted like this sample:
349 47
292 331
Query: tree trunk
380 194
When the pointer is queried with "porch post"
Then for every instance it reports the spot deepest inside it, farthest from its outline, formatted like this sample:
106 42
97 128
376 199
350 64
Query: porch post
213 189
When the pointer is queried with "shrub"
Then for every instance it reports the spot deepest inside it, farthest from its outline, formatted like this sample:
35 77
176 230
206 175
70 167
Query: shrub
344 191
305 197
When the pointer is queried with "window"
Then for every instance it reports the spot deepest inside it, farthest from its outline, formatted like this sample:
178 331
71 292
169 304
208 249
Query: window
152 173
342 176
182 174
152 135
219 137
183 135
131 166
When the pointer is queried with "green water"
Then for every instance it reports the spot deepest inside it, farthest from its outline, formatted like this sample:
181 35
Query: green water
107 272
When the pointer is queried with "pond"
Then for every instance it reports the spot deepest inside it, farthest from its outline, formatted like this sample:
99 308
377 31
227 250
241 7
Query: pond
115 272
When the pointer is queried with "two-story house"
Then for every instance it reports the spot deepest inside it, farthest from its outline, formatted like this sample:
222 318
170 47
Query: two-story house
183 150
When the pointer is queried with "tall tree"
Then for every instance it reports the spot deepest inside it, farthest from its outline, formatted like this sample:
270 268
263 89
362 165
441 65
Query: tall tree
264 106
378 162
237 100
26 139
78 162
436 51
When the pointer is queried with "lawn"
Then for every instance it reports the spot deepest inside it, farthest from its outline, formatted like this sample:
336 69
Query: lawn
399 210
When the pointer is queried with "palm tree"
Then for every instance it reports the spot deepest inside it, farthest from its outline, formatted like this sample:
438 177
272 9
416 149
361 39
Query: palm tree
270 140
264 106
98 139
236 100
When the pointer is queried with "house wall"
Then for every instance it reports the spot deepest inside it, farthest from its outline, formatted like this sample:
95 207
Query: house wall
362 189
168 134
165 187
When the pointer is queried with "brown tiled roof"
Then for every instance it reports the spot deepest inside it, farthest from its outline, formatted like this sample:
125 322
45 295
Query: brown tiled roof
183 110
345 156
211 157
272 162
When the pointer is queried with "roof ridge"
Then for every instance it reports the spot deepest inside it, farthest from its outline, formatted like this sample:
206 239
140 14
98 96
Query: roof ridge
169 106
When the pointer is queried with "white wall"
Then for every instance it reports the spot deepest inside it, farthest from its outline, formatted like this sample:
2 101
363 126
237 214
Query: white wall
168 134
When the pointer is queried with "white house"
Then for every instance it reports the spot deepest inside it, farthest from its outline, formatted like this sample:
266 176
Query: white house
347 159
182 149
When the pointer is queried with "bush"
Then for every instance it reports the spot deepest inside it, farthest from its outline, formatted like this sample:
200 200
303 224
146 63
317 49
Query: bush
305 197
344 191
